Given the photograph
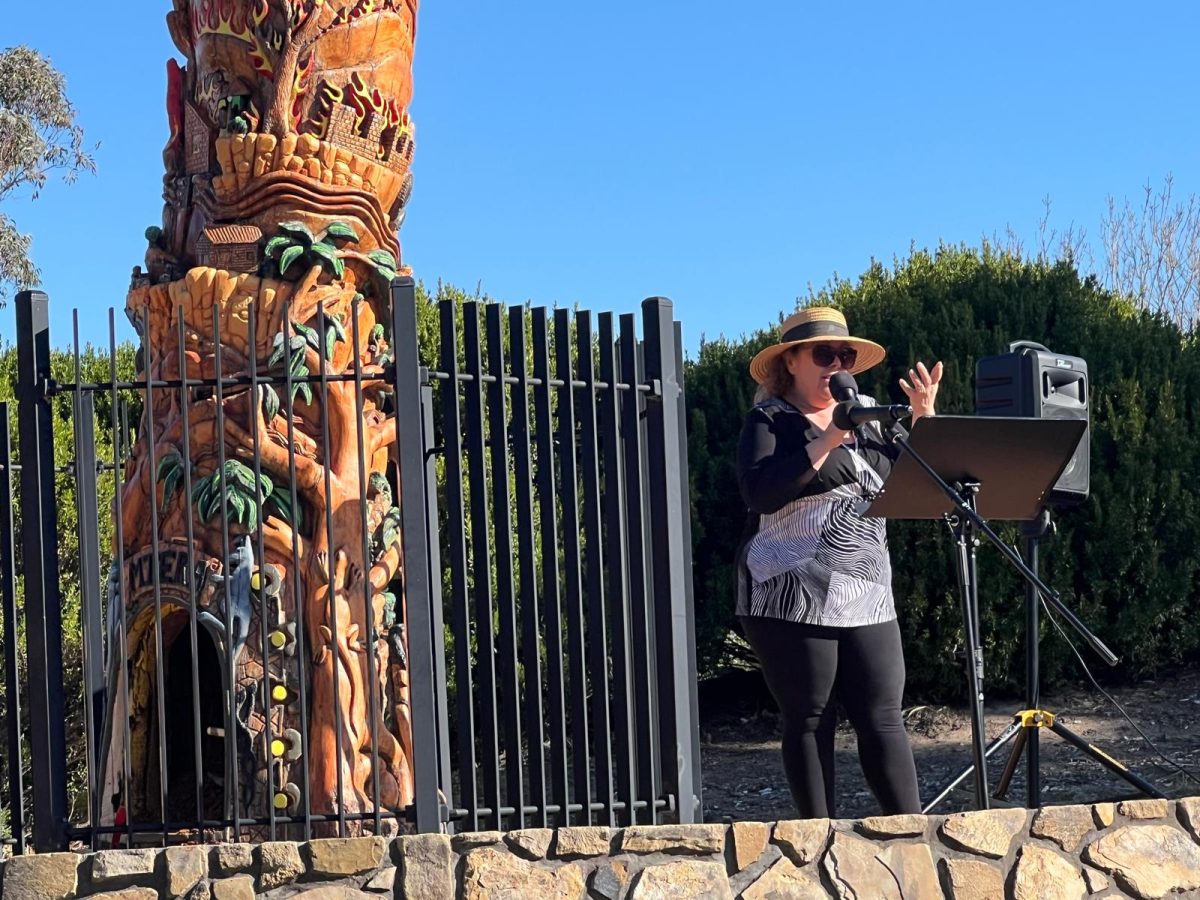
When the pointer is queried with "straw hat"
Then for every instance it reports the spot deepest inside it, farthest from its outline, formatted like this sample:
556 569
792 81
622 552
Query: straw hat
816 325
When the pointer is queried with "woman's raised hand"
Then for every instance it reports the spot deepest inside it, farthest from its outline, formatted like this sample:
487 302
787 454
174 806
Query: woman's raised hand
921 388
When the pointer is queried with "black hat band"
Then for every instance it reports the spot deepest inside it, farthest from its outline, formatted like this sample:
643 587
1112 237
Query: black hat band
806 330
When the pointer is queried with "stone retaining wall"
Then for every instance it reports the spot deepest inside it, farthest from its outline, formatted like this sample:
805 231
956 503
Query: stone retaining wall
1143 848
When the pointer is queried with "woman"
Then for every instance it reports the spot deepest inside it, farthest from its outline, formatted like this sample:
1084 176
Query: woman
815 597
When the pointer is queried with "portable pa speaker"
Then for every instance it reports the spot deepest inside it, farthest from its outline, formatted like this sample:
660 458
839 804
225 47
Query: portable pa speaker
1031 382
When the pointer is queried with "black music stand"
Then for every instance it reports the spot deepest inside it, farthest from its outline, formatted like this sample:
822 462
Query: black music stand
964 469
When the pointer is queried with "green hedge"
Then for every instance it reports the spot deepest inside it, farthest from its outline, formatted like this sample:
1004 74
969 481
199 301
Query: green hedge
1126 561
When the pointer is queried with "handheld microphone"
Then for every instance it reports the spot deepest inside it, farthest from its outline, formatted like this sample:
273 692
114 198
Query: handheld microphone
850 412
843 387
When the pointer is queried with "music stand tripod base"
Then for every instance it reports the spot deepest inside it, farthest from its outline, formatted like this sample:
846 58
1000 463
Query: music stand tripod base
966 469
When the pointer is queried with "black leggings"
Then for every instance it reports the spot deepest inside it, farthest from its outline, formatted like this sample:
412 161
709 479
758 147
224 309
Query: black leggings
804 666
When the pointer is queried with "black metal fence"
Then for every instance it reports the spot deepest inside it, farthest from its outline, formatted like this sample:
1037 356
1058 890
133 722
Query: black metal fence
540 472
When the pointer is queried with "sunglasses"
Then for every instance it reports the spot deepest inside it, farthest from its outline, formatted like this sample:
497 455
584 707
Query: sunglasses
824 355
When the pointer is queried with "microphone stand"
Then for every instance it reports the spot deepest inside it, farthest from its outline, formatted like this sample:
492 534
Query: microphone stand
967 525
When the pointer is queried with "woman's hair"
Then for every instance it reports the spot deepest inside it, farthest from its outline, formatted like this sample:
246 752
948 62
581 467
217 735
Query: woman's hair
779 381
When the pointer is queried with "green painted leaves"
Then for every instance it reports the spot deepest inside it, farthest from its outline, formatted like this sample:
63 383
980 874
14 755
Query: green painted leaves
270 402
389 529
385 264
340 231
298 232
289 256
234 490
296 241
170 472
303 337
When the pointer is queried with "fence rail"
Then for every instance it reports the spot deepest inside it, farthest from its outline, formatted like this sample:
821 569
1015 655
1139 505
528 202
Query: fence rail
532 658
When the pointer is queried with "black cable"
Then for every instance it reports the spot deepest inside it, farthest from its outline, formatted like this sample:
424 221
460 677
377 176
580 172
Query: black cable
1109 697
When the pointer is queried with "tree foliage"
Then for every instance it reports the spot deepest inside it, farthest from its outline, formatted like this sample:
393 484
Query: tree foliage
39 136
1127 561
94 367
1148 250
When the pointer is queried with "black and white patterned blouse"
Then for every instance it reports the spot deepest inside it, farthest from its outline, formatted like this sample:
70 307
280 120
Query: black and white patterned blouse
809 556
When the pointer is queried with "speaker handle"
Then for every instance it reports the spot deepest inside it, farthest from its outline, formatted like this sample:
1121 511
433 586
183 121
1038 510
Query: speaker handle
1030 345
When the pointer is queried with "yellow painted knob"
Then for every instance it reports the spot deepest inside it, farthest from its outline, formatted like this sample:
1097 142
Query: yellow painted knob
278 640
281 801
279 693
278 747
256 581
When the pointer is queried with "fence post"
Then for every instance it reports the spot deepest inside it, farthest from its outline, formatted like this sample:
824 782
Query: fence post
8 595
417 577
685 487
39 540
92 615
675 637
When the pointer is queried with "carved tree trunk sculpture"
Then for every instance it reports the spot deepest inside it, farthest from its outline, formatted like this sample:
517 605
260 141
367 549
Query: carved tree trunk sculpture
287 175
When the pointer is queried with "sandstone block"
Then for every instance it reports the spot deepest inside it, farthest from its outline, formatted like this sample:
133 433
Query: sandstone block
532 843
186 867
1096 882
1042 874
1144 809
425 867
912 867
673 839
680 880
786 879
750 839
108 865
583 842
338 857
279 864
893 826
1065 825
855 869
239 887
609 879
988 832
470 840
1104 814
802 840
44 876
232 859
490 873
1148 860
383 881
972 879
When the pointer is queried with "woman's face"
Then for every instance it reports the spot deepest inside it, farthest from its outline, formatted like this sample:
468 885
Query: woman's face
810 379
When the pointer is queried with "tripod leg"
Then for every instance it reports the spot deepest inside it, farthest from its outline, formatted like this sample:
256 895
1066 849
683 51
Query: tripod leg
1014 757
968 596
1006 736
1115 766
1033 782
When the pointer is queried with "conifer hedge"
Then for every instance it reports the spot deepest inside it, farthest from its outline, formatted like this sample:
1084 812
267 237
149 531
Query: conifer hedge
1126 561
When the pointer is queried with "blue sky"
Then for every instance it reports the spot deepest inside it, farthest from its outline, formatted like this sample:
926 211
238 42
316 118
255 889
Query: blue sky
723 155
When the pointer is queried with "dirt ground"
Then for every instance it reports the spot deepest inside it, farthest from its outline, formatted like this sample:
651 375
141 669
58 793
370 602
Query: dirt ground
743 774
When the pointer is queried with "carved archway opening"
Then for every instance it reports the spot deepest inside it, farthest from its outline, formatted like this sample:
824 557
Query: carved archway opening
184 729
